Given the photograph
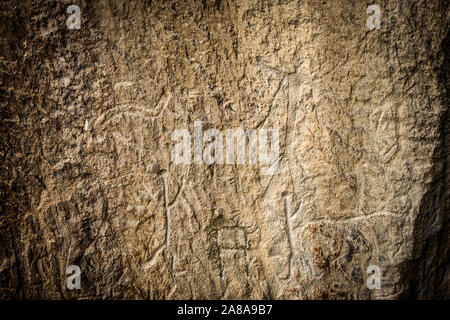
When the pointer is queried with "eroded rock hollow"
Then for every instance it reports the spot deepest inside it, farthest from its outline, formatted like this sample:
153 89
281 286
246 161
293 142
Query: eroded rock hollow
224 149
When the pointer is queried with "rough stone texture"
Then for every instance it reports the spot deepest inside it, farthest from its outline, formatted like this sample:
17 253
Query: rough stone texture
86 123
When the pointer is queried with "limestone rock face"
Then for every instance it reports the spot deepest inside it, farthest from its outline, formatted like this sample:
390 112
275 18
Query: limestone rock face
88 170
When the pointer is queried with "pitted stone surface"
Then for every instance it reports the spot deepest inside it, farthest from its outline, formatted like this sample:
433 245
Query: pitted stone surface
87 178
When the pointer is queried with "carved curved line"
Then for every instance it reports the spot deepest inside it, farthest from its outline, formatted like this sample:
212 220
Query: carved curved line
133 109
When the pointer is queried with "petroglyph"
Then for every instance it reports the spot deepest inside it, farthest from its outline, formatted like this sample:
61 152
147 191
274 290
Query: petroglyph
86 176
290 218
168 205
224 234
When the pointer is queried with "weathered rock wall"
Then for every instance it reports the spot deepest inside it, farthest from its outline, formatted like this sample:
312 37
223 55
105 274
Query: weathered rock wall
87 178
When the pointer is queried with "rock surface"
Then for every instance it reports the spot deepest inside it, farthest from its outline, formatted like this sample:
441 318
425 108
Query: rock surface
87 178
